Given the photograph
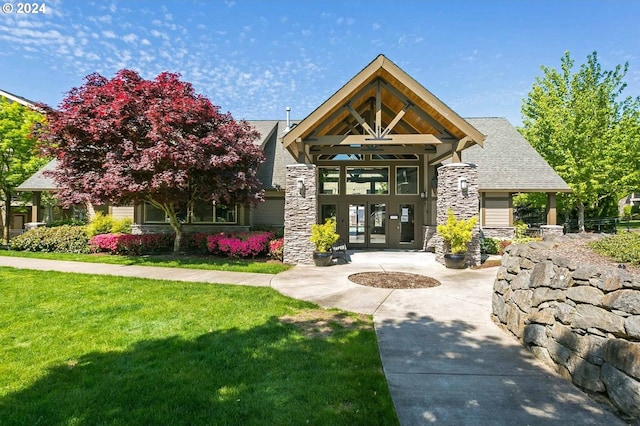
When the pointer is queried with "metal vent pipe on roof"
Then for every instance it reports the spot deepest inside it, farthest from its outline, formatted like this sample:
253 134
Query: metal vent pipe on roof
288 109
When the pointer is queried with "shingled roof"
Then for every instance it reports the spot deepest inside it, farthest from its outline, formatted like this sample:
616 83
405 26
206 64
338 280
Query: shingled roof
272 173
38 181
508 163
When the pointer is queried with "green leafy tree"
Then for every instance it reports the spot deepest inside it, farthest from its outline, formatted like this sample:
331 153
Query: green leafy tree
585 129
18 153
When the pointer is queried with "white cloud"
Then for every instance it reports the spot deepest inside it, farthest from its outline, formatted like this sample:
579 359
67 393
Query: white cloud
159 34
130 38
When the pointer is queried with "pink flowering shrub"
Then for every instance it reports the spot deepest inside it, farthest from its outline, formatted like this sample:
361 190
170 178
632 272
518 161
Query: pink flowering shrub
131 245
276 248
212 242
194 242
241 244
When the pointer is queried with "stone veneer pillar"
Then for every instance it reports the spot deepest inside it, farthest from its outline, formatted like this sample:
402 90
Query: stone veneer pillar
547 231
465 204
300 212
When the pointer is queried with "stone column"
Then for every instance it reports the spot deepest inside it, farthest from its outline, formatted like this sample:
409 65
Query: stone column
464 203
549 231
300 212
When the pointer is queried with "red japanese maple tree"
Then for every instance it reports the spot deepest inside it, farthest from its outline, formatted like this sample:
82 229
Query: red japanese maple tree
130 140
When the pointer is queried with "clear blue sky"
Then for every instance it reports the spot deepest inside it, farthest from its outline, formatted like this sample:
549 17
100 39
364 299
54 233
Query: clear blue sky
253 58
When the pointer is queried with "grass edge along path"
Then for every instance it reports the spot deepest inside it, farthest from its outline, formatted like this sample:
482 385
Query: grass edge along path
209 263
78 349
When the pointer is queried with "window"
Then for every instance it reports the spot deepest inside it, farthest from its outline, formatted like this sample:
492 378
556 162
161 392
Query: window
153 214
327 211
226 214
394 157
368 180
203 212
341 157
407 180
328 180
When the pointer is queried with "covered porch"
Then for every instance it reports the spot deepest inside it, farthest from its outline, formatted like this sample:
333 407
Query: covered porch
369 156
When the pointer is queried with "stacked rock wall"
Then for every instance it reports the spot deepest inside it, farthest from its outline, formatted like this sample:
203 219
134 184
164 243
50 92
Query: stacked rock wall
581 318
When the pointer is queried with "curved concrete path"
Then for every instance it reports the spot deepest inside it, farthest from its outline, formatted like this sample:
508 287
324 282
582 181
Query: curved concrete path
445 361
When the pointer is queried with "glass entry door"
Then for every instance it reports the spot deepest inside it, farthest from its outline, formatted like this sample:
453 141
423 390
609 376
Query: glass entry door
368 224
406 227
357 224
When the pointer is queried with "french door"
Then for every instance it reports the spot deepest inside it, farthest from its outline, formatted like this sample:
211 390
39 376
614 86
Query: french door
367 224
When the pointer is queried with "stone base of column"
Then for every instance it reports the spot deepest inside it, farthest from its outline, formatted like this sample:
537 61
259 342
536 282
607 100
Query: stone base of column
549 231
429 238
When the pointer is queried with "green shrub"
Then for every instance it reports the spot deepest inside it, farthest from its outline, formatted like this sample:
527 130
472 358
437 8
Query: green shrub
623 248
488 245
121 226
458 233
106 224
64 239
323 236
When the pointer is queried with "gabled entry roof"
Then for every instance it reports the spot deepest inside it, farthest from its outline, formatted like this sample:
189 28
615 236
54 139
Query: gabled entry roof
382 106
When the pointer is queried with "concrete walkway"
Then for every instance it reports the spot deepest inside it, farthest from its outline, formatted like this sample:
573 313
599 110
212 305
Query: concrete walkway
445 361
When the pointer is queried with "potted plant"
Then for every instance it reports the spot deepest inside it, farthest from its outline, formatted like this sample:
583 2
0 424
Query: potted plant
457 234
323 237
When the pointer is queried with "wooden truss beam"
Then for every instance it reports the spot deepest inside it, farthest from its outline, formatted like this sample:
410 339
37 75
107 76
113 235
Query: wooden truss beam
374 149
368 140
426 117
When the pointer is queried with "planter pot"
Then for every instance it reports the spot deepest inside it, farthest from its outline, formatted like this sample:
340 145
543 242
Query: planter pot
322 258
455 261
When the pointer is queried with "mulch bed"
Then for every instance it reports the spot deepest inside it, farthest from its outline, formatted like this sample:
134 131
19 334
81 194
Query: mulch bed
394 280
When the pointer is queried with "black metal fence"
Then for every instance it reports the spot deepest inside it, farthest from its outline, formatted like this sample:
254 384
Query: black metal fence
605 225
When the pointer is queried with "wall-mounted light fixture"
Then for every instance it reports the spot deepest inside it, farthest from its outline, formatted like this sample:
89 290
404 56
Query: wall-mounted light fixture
300 186
423 195
463 185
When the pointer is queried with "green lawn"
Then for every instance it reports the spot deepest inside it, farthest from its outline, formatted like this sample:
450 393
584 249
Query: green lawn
87 350
194 262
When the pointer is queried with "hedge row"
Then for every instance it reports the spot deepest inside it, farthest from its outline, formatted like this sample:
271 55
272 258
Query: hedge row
66 238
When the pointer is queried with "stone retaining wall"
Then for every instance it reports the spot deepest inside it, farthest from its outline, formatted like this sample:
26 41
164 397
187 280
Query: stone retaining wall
582 319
